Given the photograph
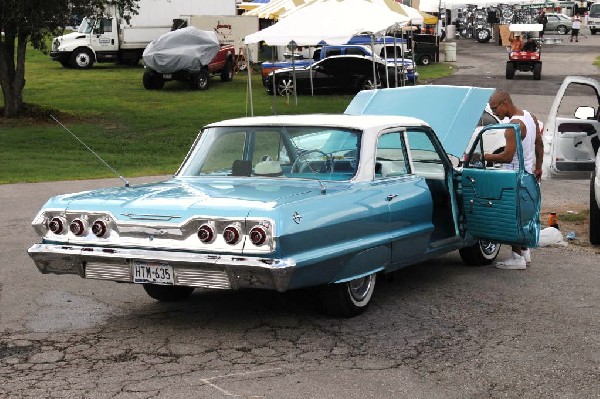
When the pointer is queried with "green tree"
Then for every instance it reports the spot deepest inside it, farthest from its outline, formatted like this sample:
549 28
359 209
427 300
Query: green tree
34 21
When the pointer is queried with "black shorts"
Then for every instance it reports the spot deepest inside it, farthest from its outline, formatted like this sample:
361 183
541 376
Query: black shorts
574 32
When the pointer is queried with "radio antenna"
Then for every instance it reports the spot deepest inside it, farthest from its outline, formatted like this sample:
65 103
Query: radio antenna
92 151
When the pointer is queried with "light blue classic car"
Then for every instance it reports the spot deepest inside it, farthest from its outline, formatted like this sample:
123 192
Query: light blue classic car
288 202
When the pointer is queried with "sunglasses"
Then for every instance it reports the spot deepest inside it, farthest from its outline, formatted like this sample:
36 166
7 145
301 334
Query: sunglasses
494 108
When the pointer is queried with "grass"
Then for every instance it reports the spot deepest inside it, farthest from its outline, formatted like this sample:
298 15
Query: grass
136 131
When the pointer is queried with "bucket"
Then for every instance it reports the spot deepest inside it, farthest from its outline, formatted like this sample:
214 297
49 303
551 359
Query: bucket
450 32
450 52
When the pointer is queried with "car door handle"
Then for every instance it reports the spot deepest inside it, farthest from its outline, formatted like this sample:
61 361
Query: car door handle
391 197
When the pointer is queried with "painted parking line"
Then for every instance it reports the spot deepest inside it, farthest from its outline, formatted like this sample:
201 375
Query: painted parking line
207 381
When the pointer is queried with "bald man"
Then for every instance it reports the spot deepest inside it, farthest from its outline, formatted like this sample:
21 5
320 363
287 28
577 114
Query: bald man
533 154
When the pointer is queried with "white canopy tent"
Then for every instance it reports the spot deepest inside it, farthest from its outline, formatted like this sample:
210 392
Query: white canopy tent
430 5
330 21
275 8
415 16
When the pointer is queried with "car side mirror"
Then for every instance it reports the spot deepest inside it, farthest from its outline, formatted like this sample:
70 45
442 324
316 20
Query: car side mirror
585 112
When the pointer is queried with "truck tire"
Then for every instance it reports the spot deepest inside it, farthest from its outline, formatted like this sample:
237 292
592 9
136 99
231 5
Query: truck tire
152 80
82 58
200 81
510 70
425 59
227 72
537 71
483 35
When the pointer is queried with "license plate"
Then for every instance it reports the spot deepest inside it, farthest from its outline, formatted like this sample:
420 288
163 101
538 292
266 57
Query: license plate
152 272
167 76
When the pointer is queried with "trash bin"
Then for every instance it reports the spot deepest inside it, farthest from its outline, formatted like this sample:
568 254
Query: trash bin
450 52
450 32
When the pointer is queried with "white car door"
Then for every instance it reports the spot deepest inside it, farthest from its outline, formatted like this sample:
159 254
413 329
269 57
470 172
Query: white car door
573 127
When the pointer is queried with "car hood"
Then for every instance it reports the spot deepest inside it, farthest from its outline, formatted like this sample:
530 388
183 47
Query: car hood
182 198
452 111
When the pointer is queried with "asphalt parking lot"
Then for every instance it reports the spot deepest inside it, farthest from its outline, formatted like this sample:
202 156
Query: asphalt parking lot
436 330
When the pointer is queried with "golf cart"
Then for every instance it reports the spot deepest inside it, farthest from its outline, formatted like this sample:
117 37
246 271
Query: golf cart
528 59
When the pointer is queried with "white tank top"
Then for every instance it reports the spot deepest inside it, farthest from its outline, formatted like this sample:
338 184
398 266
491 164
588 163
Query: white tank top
528 143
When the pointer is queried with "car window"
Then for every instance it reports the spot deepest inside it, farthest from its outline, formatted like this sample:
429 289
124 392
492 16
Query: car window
355 51
106 25
487 119
426 160
391 159
578 95
224 151
290 152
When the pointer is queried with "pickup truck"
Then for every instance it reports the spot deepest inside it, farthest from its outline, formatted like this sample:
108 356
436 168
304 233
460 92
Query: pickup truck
345 49
165 59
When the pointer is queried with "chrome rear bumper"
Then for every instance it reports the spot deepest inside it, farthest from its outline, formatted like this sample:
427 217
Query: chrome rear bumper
190 269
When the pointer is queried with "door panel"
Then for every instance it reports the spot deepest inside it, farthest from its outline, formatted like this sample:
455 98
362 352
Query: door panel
573 139
501 205
576 144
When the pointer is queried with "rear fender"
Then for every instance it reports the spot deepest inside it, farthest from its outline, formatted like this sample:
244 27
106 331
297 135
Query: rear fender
364 263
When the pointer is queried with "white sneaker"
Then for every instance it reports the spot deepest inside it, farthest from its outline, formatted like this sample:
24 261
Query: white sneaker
527 255
517 262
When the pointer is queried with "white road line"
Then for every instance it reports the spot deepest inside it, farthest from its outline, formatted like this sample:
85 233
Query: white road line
225 392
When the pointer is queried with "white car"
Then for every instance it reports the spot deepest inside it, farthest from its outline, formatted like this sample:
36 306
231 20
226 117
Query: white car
595 203
572 139
572 131
493 140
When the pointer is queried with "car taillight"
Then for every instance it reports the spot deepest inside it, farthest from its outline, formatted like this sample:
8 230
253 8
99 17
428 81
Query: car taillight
206 233
258 235
57 224
99 228
78 227
231 234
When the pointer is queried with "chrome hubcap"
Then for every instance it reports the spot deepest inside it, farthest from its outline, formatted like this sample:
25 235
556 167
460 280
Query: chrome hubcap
488 247
359 288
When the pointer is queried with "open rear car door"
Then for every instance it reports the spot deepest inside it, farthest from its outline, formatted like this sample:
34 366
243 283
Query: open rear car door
501 205
573 128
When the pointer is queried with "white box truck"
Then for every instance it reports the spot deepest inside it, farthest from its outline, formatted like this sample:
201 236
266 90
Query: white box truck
593 18
111 39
